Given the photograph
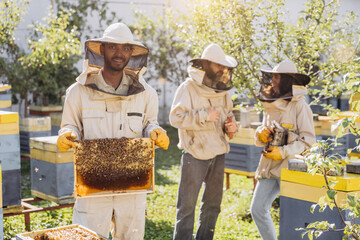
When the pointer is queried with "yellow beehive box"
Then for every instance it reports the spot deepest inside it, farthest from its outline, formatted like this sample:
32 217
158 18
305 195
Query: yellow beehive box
5 96
35 124
45 149
348 182
310 193
9 123
114 166
1 201
55 119
244 136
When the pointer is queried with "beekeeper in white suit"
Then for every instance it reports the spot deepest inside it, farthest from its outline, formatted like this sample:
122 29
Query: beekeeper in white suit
282 95
110 99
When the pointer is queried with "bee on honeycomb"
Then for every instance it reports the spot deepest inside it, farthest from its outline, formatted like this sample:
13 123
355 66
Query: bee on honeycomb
113 164
71 233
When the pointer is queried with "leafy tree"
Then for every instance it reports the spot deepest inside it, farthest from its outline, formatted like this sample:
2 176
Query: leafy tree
168 53
48 66
258 34
52 45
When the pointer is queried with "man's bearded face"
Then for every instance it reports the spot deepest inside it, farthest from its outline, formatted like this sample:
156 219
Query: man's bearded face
217 75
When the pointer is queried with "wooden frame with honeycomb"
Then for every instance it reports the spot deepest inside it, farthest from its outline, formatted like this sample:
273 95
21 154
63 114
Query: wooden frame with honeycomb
80 232
111 166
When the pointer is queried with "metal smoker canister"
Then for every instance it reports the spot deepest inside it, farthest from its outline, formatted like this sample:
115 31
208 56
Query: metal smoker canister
280 135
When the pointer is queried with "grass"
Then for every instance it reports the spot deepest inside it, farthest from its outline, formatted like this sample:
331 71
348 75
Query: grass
234 221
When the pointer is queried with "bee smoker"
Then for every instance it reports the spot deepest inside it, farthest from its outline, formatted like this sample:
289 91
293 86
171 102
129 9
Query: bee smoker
279 135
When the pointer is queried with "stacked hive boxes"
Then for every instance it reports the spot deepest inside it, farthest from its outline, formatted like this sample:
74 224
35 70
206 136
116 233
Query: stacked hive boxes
52 171
10 158
325 130
300 190
1 210
244 156
5 97
55 123
33 127
44 110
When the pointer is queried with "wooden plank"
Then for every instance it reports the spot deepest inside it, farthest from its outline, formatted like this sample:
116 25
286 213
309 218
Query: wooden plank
9 128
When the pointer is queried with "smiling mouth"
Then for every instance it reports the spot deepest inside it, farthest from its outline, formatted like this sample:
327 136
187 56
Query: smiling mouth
118 60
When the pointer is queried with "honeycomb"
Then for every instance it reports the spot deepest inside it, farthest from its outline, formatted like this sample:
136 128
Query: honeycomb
68 234
113 164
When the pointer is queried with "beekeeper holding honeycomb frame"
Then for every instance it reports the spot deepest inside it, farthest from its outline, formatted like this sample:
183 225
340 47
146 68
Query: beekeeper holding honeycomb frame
111 99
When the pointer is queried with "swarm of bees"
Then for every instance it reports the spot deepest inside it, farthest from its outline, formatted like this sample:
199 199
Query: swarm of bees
112 164
73 233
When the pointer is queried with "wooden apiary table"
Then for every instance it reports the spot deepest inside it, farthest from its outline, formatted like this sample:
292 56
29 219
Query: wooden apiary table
300 190
52 171
32 127
37 235
10 158
114 166
5 97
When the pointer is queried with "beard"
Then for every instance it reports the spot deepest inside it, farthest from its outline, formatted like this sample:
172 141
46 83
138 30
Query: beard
113 65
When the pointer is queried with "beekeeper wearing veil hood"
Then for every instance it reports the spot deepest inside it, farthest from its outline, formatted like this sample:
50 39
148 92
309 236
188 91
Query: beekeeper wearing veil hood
111 99
202 112
287 130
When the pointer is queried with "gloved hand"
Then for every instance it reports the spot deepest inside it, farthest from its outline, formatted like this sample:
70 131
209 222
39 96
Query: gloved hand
273 153
265 135
160 137
66 140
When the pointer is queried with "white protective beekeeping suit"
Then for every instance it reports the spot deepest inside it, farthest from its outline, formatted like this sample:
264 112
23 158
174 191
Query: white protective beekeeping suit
93 110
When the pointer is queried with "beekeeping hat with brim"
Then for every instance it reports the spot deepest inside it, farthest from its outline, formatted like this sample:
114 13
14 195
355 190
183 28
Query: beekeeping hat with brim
117 33
290 80
288 67
214 53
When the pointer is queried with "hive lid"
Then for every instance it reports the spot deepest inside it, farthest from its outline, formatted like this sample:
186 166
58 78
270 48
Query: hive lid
8 117
348 182
4 87
48 143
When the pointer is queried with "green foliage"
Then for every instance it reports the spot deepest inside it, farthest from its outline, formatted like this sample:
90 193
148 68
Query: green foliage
258 34
319 162
168 53
48 66
10 16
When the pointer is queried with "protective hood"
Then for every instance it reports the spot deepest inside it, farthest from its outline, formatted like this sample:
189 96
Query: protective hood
197 76
90 78
117 33
218 84
279 83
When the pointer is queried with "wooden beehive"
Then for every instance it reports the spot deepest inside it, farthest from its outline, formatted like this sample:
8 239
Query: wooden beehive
5 97
32 127
52 171
74 232
114 166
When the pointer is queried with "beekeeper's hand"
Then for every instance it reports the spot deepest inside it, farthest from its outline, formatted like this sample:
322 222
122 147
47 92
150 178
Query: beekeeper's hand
66 140
265 135
160 137
273 153
213 114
